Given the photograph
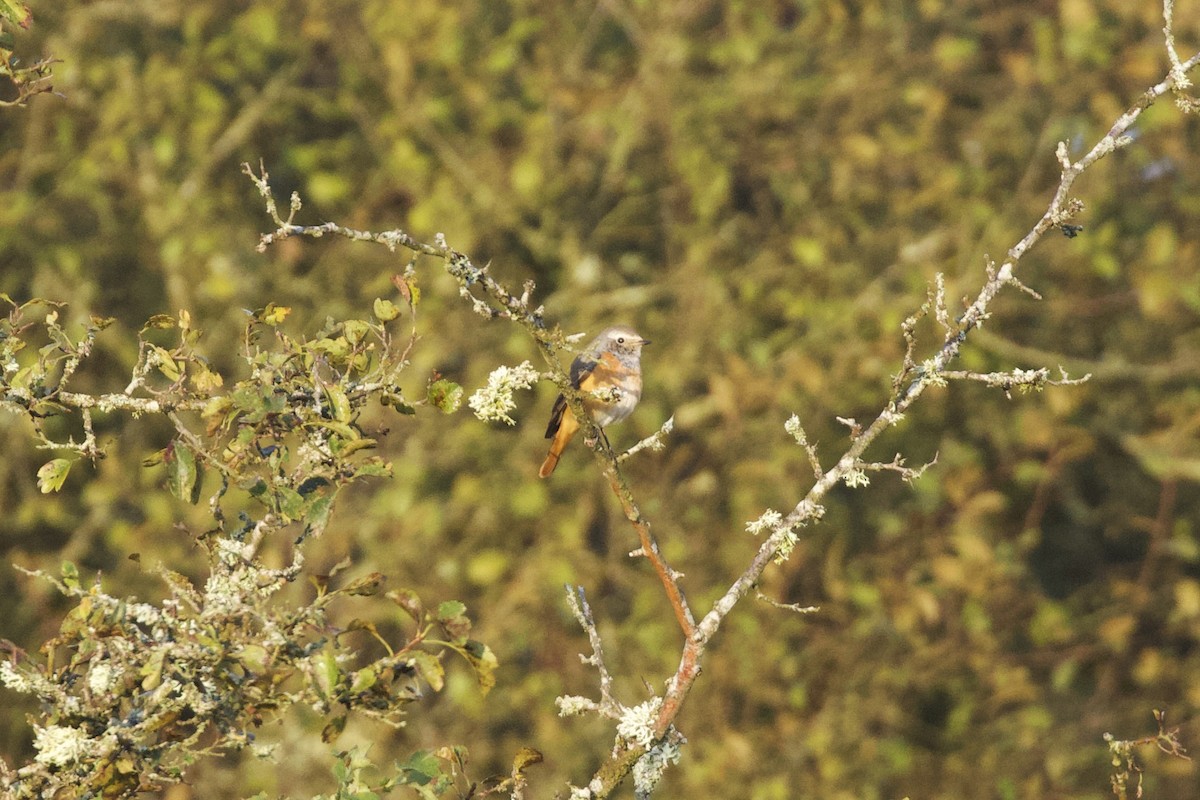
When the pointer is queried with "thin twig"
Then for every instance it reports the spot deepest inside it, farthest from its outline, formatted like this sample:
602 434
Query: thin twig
655 441
577 600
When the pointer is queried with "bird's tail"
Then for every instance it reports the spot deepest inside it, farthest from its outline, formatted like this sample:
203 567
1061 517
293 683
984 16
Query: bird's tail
566 429
549 464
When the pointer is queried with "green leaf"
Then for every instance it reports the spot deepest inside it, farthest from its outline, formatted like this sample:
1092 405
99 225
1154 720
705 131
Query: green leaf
445 395
254 657
340 428
341 770
76 620
374 469
349 448
484 661
216 412
21 378
397 401
70 574
525 758
339 403
430 668
449 609
273 315
318 513
332 731
205 380
385 310
327 673
407 599
1162 456
181 473
151 671
407 286
16 13
365 586
291 503
421 767
159 321
364 679
154 459
166 363
337 349
245 396
52 474
453 618
356 330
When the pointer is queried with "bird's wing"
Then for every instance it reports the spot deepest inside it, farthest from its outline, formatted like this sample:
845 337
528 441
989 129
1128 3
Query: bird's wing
581 369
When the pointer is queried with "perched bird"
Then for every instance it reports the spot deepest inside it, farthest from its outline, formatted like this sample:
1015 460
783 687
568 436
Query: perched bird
609 375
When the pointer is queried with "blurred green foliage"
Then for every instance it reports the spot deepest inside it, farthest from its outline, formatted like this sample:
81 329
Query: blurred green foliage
764 190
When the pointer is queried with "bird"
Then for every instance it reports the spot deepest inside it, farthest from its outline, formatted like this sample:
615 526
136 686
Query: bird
611 362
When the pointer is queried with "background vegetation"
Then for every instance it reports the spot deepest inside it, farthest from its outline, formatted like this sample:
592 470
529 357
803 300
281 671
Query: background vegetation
762 189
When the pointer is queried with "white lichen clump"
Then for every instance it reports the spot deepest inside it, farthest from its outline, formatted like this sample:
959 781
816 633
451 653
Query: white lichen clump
787 543
13 679
60 746
769 521
931 373
101 677
637 723
856 478
792 426
649 769
493 402
573 705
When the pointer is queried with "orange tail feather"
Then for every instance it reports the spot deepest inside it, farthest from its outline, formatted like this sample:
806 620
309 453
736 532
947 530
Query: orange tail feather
566 430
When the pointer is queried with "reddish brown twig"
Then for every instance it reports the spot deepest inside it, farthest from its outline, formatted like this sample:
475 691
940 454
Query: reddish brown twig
649 548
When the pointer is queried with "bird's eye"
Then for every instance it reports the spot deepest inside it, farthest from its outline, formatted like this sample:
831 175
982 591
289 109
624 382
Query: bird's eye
620 340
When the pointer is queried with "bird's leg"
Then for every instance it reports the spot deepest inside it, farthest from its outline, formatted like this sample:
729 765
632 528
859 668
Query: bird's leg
591 440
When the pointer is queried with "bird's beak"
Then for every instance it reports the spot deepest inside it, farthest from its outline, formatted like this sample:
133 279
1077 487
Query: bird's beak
645 342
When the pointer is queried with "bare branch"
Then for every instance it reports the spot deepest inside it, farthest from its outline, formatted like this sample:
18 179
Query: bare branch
798 433
655 441
1024 379
1182 369
608 705
909 474
796 607
852 424
1179 70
